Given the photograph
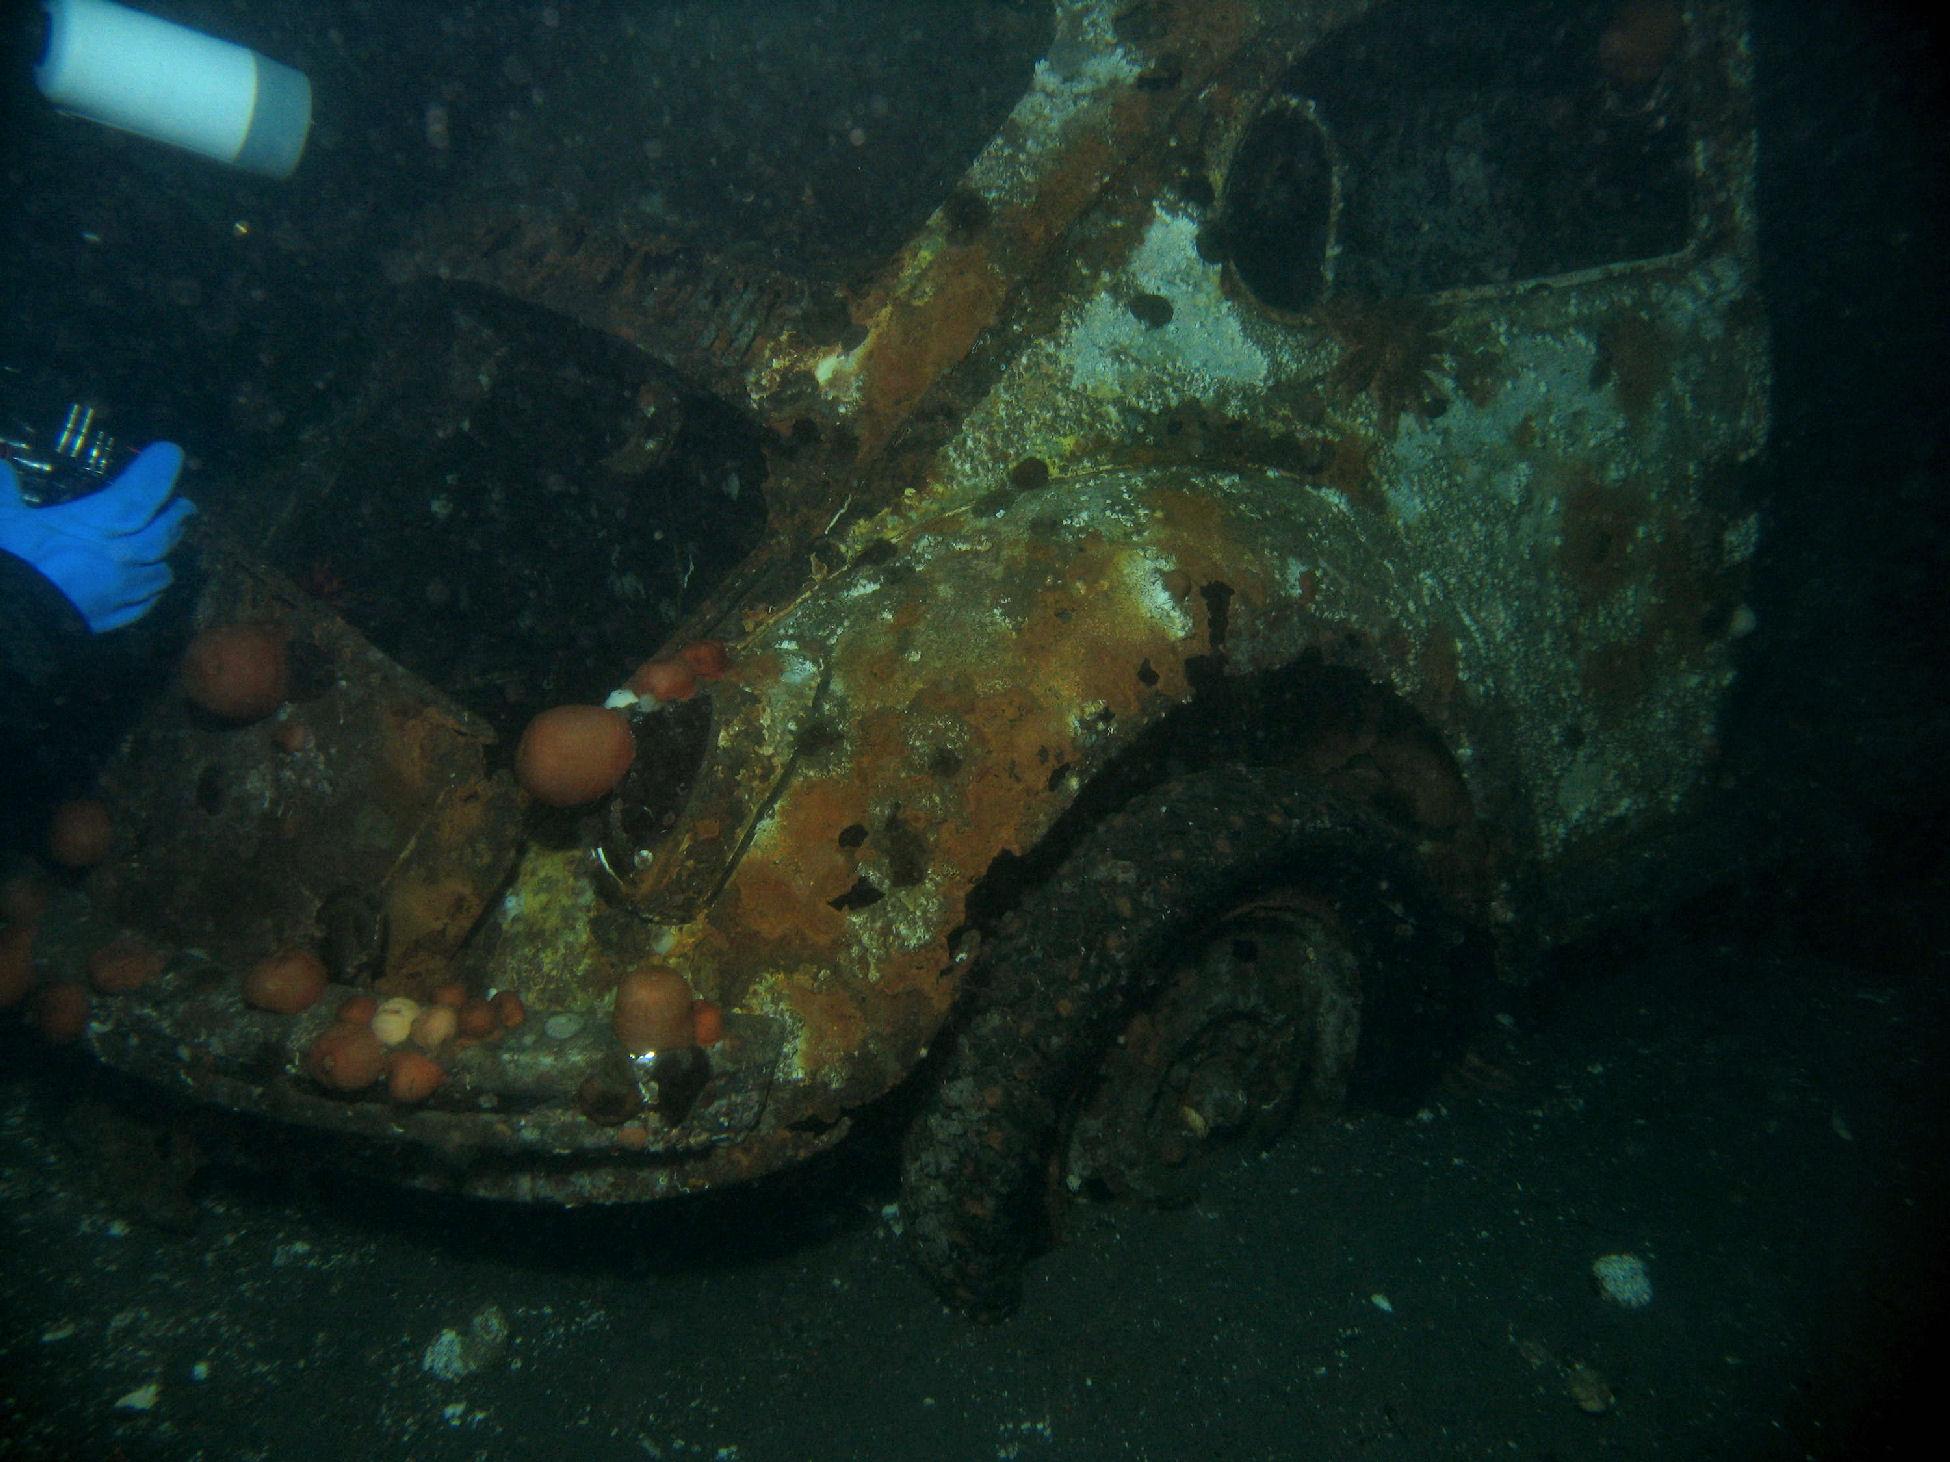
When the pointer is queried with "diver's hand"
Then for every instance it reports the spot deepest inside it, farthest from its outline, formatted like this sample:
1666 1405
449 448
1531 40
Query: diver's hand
104 551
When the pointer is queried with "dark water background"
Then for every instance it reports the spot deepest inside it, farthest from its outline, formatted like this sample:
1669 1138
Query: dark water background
1748 1093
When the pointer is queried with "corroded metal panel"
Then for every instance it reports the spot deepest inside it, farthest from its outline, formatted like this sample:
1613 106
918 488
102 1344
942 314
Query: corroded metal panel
945 704
1074 476
360 817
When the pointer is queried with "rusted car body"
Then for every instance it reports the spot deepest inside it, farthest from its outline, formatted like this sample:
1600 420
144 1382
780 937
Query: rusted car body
1239 408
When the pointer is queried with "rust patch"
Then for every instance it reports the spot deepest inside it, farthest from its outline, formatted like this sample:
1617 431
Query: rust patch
784 900
426 923
870 1034
821 807
1685 598
1693 592
1194 516
1635 359
933 312
1009 754
1350 472
833 1027
412 753
1595 548
1083 631
920 339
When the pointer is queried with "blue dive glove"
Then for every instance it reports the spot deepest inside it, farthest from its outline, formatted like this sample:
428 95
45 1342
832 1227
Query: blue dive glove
104 551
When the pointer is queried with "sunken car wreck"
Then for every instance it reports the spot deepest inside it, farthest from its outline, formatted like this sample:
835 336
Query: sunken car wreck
1258 556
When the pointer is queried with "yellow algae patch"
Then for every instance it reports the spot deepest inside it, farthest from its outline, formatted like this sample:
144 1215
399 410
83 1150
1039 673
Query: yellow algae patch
545 949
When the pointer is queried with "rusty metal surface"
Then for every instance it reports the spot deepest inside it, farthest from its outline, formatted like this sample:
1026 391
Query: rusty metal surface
1479 551
360 817
1094 105
505 1122
1545 571
949 702
712 317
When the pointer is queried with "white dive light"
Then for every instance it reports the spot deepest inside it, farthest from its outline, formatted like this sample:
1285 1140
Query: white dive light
129 70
